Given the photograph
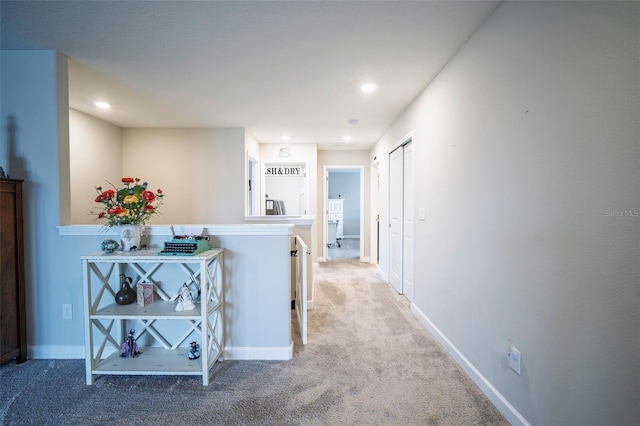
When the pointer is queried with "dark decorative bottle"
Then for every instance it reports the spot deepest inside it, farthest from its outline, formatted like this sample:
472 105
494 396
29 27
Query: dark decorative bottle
126 295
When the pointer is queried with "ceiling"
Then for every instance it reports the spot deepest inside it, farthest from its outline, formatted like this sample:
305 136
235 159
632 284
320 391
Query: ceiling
272 67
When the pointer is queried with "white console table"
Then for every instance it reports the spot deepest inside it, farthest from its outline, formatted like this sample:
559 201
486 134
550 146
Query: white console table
101 282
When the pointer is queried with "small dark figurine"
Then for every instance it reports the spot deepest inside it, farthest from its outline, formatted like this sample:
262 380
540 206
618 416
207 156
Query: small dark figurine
194 352
130 347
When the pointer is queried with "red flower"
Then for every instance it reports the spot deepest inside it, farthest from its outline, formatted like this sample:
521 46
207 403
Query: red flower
130 204
109 193
148 196
115 210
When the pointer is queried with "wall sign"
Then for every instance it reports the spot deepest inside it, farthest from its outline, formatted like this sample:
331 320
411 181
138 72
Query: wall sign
284 171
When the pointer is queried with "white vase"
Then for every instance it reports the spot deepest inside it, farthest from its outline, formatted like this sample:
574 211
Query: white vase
129 236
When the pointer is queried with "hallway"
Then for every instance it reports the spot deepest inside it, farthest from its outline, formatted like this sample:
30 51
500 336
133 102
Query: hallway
368 350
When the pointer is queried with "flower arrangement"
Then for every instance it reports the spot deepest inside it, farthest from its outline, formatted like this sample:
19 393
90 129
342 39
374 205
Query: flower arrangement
132 205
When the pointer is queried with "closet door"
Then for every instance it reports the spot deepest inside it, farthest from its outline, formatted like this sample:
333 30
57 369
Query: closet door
407 222
395 217
401 219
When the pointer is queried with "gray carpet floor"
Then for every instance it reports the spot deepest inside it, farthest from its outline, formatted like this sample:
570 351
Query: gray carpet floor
349 250
368 362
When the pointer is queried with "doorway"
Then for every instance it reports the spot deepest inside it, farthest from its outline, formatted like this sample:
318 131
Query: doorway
253 190
344 208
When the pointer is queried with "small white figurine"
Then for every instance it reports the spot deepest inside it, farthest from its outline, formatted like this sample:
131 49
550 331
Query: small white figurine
185 299
187 303
179 305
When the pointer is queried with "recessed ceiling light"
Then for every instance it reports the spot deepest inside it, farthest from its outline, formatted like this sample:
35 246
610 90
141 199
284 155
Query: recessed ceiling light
102 105
285 137
368 87
346 138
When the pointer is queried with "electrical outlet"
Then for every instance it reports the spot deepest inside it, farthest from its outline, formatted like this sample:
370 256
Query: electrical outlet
67 311
514 357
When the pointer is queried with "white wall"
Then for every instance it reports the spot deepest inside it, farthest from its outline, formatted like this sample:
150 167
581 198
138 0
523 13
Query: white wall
200 171
270 153
528 146
290 189
95 148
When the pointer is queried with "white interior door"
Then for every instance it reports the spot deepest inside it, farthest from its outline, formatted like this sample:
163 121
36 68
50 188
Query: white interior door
396 174
301 287
408 222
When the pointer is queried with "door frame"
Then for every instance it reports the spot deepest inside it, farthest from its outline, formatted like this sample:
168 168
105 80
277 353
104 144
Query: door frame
325 206
253 207
375 213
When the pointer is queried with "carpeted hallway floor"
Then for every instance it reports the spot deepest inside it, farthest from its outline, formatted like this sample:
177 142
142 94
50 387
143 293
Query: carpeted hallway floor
368 362
349 250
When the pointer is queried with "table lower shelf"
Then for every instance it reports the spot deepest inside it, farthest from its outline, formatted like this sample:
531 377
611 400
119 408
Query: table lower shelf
154 361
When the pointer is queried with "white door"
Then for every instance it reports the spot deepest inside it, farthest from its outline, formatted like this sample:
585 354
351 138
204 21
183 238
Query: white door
301 287
407 229
395 218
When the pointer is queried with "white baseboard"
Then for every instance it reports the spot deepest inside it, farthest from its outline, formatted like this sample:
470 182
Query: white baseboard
55 352
383 275
257 353
365 259
501 403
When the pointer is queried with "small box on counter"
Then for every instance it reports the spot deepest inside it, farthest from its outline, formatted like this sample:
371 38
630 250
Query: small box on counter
145 293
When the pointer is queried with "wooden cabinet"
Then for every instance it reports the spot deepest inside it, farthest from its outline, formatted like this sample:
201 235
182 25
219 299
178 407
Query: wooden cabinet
106 322
13 323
